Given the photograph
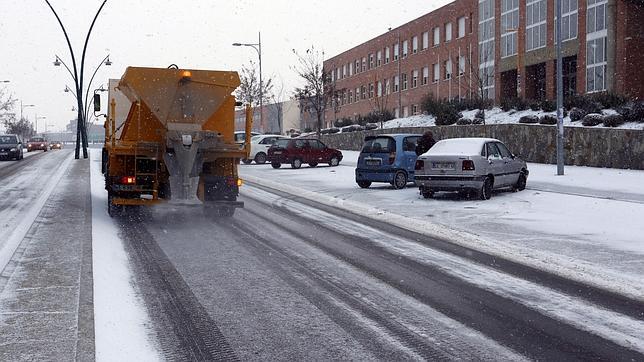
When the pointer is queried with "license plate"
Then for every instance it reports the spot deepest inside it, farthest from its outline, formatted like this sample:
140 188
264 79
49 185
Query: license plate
3 153
372 162
277 152
443 165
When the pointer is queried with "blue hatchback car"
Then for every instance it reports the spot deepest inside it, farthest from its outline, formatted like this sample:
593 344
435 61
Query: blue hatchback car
387 158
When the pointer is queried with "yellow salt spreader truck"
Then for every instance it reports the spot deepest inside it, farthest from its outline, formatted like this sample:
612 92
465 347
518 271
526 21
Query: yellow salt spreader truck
176 145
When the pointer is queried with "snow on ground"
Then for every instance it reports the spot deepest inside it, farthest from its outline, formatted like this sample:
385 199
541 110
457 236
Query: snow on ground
495 116
120 317
592 239
25 206
6 163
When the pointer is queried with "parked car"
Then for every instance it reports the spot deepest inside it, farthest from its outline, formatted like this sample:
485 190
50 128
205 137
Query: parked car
11 147
302 150
387 158
470 165
259 146
56 145
37 143
240 136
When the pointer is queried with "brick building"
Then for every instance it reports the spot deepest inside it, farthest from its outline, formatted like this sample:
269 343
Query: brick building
494 49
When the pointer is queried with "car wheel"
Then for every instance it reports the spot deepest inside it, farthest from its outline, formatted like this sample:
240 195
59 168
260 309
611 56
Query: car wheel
313 164
364 184
260 158
427 193
296 163
334 161
400 180
521 182
485 193
276 164
246 162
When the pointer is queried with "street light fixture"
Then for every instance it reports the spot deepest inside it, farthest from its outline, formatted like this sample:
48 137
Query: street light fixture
258 49
23 106
5 81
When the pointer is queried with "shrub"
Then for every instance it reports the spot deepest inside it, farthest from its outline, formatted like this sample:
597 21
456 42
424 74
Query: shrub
632 111
529 119
576 114
592 119
548 106
548 119
614 120
480 115
478 121
447 115
585 102
308 130
464 122
534 104
342 122
370 126
608 99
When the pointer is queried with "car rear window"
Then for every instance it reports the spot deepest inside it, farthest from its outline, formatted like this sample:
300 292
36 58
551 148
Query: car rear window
379 144
281 143
410 144
8 139
37 139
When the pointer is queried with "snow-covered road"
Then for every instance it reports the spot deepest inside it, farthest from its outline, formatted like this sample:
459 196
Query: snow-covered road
587 237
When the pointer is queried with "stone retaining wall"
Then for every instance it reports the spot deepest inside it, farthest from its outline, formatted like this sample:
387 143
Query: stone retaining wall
595 147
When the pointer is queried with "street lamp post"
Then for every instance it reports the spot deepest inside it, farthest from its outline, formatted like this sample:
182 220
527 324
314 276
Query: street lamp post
258 49
78 78
23 106
560 128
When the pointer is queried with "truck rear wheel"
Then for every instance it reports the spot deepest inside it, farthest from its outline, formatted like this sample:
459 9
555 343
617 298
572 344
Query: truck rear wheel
112 210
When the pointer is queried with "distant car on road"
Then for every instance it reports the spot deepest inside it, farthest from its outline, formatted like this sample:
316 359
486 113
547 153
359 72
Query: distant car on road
469 165
37 143
259 146
56 145
387 158
240 136
302 150
11 147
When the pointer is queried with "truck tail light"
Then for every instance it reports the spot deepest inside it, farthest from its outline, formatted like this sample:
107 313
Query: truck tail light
420 165
392 158
468 165
128 180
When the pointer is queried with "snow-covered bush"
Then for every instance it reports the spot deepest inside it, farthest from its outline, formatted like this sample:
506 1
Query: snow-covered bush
614 120
529 119
548 105
548 119
577 114
632 111
464 122
592 119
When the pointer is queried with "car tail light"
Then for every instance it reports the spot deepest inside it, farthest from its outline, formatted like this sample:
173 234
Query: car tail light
420 165
468 165
128 180
392 158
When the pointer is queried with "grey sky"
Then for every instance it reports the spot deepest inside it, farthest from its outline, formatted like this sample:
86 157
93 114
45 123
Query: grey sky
192 34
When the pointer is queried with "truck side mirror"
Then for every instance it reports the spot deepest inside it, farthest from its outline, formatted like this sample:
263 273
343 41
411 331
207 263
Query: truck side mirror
97 102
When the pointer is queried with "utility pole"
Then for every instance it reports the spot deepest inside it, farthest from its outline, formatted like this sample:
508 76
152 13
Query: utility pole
560 128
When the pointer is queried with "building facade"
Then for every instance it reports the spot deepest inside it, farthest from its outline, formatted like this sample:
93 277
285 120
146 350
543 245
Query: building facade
493 49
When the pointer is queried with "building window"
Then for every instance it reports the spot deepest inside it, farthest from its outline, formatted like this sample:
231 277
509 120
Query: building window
414 79
397 112
425 40
437 36
405 46
596 46
509 27
337 75
364 64
448 32
371 90
350 69
405 111
379 58
414 44
595 16
387 55
486 47
333 75
414 109
404 81
357 66
448 69
569 11
379 89
425 76
396 52
357 94
371 60
344 71
461 27
437 73
350 96
535 29
396 84
461 65
387 87
363 92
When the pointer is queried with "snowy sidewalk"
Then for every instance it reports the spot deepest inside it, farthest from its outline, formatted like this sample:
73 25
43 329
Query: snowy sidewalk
46 299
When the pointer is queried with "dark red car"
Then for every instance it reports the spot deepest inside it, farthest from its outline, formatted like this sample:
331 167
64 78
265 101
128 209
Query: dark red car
300 150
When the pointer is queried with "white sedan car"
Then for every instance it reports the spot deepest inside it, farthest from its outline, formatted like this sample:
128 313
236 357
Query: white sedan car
259 146
469 165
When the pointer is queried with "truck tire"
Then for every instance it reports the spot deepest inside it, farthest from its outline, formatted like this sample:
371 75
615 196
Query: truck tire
247 162
112 210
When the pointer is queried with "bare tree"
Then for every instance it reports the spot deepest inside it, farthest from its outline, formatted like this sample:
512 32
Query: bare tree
23 127
277 98
6 103
318 89
248 91
380 101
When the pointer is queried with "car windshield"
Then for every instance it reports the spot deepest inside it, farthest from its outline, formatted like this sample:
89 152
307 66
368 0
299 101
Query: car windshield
379 145
421 180
8 139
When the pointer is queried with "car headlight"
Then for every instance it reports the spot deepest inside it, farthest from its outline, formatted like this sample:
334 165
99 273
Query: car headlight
13 150
42 145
